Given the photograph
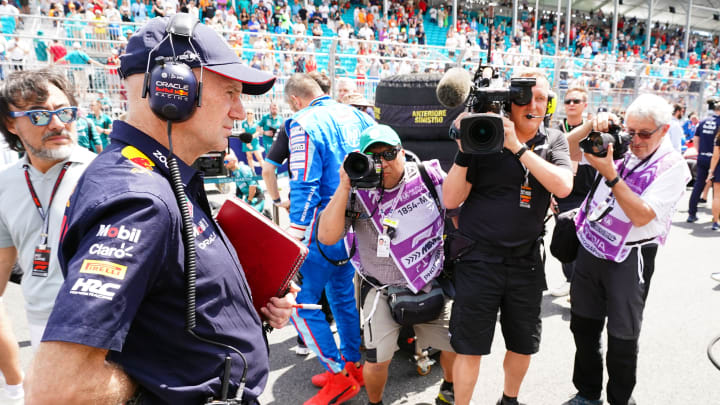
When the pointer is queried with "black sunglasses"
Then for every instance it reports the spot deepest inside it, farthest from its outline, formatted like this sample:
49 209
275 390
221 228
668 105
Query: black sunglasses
643 134
389 155
573 101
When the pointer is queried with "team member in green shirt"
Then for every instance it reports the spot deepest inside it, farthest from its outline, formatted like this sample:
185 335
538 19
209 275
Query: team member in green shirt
88 137
252 148
102 121
270 123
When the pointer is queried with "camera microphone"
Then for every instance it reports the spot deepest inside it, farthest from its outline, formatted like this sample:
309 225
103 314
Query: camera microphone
454 87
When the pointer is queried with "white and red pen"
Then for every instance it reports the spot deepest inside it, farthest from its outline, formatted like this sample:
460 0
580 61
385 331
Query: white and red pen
307 306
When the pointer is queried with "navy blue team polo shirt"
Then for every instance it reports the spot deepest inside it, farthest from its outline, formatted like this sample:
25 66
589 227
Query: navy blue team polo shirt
122 257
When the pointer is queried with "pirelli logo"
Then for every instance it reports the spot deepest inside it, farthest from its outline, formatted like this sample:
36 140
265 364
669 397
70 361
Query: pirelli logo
103 268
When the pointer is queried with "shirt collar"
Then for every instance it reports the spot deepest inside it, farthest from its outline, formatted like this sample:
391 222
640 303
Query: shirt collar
321 100
75 157
152 149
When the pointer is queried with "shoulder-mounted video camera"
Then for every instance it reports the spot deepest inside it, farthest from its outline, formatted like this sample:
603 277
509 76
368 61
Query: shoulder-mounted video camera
596 143
364 171
482 132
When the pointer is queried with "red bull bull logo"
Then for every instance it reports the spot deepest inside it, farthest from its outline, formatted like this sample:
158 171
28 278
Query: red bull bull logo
137 157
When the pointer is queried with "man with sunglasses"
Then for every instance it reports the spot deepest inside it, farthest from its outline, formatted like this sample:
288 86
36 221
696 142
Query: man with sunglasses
505 197
38 113
403 199
575 105
625 218
320 135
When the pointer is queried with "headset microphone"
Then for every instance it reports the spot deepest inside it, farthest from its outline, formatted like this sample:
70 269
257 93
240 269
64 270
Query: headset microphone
530 116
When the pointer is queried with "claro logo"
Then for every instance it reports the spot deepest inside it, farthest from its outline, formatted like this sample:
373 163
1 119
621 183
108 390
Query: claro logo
122 233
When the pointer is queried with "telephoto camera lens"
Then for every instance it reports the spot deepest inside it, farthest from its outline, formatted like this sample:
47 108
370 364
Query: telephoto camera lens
362 170
358 165
482 134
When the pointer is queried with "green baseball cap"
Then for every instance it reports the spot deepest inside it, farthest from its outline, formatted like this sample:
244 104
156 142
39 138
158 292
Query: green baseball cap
378 134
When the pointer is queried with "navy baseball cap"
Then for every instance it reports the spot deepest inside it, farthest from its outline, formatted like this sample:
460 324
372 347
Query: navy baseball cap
211 48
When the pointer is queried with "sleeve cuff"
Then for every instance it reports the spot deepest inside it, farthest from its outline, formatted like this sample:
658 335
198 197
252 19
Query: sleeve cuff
297 231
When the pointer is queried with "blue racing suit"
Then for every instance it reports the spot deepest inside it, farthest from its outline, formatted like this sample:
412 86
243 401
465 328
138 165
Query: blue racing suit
320 137
706 131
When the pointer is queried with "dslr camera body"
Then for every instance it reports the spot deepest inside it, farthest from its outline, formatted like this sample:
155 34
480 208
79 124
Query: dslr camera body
364 171
596 143
482 132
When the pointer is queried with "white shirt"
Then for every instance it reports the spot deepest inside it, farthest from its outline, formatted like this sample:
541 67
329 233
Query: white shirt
662 196
21 225
676 133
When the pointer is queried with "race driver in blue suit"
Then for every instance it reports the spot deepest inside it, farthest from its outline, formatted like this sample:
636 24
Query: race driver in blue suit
320 135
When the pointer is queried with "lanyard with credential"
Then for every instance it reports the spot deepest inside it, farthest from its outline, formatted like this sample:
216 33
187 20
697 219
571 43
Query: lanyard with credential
606 206
41 258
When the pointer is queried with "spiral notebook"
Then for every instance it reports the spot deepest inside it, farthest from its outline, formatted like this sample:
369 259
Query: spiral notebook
269 256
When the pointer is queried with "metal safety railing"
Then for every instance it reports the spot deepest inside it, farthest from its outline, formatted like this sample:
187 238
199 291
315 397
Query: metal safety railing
611 84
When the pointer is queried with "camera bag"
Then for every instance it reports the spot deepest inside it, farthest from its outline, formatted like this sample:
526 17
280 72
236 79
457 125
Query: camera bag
408 309
565 243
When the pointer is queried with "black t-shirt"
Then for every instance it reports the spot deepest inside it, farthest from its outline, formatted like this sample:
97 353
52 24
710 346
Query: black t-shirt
582 182
279 150
492 213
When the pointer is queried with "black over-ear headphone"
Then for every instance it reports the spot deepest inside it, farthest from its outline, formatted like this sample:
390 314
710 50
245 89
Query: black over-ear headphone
171 87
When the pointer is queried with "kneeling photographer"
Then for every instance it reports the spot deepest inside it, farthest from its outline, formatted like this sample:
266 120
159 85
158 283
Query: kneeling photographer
394 207
626 215
505 196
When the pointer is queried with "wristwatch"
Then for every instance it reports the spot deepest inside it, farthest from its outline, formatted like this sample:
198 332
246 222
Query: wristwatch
520 151
613 182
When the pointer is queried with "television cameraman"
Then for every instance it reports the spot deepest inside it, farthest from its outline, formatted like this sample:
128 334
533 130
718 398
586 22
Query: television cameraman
504 270
628 216
381 267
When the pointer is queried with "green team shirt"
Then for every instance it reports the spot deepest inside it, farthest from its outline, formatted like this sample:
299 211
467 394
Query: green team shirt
244 179
102 121
87 135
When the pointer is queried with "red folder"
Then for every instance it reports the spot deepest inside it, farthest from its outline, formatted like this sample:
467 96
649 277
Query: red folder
269 256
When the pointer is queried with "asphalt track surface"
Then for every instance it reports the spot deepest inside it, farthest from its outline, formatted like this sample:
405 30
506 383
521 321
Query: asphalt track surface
681 317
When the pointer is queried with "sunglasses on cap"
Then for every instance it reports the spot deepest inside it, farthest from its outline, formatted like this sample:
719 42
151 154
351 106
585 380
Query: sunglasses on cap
643 134
42 118
573 101
388 155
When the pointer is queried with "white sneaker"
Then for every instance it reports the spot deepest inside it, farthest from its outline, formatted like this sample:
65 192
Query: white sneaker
14 391
301 350
562 290
715 276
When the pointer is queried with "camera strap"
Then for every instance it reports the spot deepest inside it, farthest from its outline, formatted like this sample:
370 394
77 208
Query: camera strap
604 208
353 216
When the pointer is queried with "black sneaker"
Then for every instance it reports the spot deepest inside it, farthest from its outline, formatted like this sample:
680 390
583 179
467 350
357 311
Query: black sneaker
578 400
503 401
445 397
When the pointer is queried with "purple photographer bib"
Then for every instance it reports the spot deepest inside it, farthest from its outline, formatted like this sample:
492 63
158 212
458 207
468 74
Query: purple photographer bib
605 238
417 246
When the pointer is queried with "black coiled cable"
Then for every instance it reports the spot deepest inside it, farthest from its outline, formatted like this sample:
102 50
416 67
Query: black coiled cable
188 237
712 358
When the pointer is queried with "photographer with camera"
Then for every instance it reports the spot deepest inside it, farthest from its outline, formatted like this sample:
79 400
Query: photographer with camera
393 213
626 215
321 133
504 196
